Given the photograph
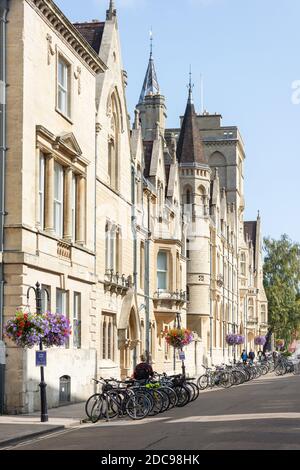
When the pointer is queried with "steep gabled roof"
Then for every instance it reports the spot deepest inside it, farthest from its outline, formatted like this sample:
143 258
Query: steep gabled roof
150 85
92 33
190 147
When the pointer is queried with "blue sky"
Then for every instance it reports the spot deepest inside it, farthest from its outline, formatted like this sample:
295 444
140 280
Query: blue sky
249 54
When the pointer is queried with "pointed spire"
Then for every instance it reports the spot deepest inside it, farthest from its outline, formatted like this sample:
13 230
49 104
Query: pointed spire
190 87
111 12
150 85
190 146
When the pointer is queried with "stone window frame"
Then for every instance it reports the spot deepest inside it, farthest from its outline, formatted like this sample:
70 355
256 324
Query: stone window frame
60 55
65 151
108 335
113 247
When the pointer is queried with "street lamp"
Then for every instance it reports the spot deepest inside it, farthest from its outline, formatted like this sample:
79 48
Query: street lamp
38 301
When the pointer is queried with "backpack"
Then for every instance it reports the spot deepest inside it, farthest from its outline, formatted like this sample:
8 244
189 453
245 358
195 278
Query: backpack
142 372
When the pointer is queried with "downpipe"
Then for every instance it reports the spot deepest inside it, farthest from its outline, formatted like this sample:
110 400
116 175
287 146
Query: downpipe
3 150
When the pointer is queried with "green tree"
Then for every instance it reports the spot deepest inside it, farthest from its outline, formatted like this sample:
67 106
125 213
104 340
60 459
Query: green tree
282 285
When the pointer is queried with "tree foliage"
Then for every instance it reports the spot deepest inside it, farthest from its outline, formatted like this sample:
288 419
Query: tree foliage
282 285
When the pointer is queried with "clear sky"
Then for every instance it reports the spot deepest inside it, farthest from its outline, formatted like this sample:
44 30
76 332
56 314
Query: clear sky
249 54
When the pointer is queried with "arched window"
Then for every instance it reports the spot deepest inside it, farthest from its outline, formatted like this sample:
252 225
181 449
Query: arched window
104 340
263 314
188 196
243 264
218 160
113 142
202 200
250 308
113 248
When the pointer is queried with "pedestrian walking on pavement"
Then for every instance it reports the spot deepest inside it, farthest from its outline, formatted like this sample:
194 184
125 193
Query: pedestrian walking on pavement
244 356
251 356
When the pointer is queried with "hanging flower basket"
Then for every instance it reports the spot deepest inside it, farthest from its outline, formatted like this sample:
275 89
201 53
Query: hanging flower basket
179 337
232 339
240 339
57 330
260 340
26 330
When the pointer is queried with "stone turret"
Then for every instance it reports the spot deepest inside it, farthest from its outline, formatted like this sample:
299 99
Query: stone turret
152 104
195 180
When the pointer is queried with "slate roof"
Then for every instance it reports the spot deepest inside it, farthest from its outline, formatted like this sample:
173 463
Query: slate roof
190 146
148 147
92 33
250 233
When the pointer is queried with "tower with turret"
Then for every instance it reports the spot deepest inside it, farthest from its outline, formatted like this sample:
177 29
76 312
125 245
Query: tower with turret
195 175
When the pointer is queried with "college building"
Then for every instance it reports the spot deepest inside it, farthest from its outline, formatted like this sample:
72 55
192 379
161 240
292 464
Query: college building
131 227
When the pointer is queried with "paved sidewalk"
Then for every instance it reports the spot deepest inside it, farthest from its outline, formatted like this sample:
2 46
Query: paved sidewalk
18 428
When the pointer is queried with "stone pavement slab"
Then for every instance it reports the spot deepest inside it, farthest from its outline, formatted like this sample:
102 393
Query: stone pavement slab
18 428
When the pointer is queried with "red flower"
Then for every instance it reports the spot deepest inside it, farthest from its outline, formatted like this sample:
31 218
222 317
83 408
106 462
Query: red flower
25 316
19 333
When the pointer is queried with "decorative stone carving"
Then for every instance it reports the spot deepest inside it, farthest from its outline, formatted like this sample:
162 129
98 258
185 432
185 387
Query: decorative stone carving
51 50
77 76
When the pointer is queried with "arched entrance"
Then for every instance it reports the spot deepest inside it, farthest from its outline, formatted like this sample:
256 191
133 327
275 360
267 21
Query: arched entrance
129 333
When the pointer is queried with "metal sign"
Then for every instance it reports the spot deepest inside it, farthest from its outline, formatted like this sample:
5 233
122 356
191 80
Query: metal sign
41 358
181 355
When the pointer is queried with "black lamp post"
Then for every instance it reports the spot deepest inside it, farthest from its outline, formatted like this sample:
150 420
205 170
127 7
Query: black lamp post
38 300
179 326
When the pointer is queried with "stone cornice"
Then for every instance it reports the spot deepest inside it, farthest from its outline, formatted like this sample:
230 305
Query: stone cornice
58 22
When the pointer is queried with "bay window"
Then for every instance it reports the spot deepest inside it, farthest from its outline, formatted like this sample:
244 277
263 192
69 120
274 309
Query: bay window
162 271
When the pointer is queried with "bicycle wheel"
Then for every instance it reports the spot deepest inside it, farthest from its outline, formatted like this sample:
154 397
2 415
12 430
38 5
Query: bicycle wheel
96 411
90 403
173 399
196 390
225 381
157 402
138 406
203 382
166 400
183 395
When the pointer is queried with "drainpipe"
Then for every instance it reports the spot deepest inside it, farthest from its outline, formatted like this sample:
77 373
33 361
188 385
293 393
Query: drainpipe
147 281
211 308
3 150
133 224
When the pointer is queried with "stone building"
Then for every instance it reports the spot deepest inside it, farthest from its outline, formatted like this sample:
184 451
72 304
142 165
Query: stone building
49 222
132 228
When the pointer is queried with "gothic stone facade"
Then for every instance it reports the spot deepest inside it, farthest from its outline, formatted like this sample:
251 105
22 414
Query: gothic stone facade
131 228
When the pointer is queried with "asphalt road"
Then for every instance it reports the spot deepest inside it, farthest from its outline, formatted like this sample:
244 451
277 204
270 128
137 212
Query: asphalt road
264 414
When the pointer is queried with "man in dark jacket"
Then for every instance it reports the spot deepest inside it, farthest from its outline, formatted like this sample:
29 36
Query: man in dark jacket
251 356
143 371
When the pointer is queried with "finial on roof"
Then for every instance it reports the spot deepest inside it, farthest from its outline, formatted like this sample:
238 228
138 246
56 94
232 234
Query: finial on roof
151 42
258 214
173 147
190 87
137 123
111 12
216 172
150 85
